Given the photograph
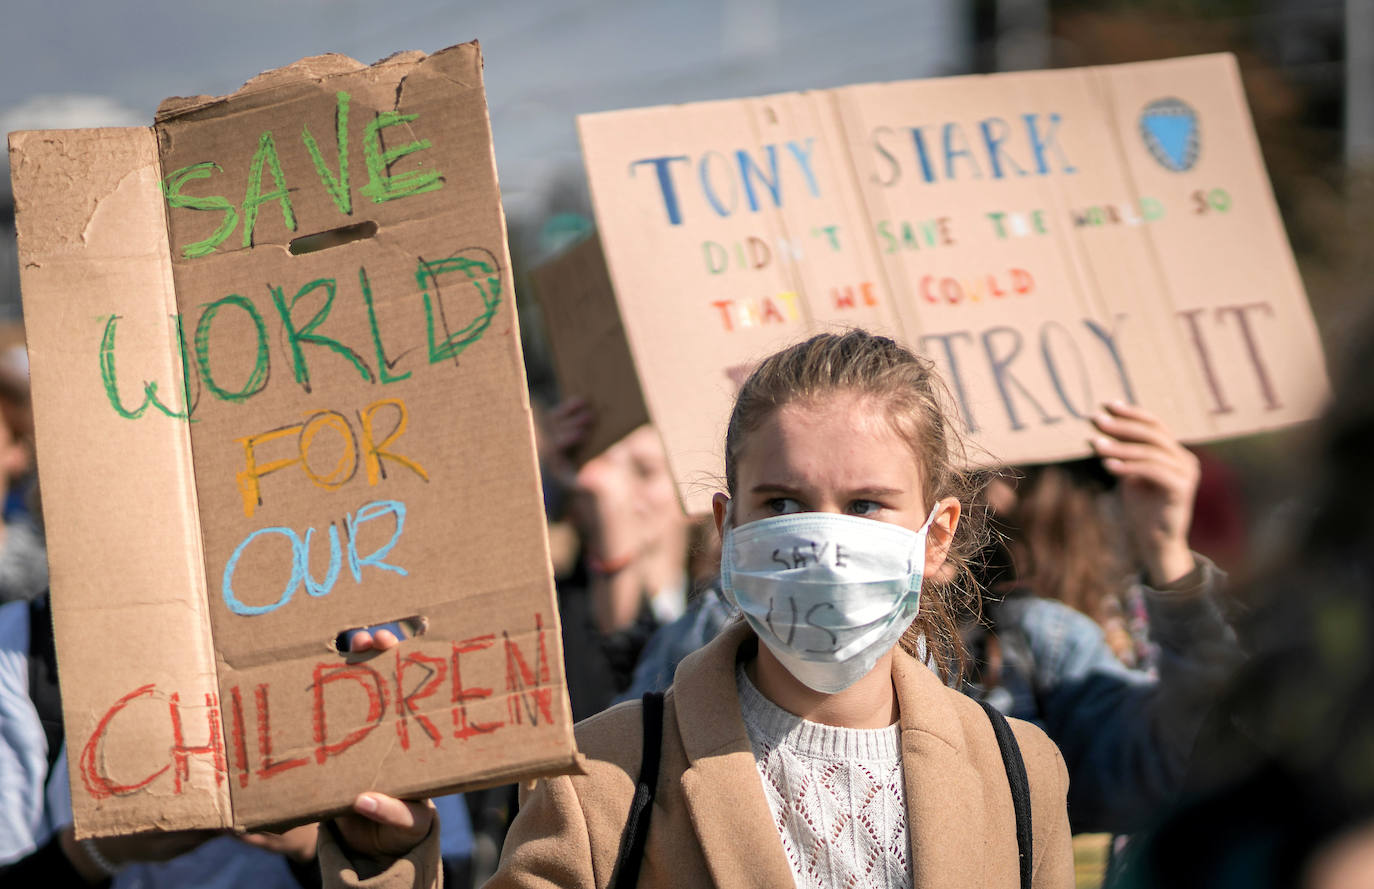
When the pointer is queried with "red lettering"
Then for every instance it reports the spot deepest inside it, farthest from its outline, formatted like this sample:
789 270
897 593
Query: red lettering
759 253
770 311
405 703
92 762
461 695
236 735
181 754
724 306
376 705
519 678
269 768
844 299
1021 281
993 289
951 290
925 289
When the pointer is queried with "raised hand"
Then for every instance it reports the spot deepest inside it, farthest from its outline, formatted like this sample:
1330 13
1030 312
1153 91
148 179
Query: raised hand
1159 480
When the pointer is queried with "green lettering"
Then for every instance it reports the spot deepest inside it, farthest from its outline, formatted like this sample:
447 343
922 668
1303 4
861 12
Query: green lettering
336 186
171 190
307 333
107 375
382 185
383 365
490 294
258 379
254 198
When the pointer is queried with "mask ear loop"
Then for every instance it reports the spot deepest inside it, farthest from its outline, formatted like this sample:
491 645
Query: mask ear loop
915 590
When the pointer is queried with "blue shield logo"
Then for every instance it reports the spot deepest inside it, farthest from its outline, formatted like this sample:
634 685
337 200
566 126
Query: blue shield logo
1171 133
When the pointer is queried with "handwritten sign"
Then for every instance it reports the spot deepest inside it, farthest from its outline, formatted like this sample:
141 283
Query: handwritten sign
279 395
1050 239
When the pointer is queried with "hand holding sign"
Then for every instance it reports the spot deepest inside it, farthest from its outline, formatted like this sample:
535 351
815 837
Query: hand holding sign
384 827
1159 483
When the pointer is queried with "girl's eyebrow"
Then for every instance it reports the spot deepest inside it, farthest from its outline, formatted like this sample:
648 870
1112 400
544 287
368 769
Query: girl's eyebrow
774 488
876 492
870 491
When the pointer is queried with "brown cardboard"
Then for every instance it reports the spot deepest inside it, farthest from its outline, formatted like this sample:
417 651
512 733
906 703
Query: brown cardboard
1139 254
359 450
574 292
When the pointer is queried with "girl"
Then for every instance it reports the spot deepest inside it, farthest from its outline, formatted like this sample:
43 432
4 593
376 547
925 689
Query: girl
830 754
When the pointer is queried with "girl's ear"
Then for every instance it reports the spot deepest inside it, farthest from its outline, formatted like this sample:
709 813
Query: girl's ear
941 534
720 504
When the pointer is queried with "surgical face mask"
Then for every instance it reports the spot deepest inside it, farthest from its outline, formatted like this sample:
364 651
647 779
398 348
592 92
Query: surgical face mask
828 594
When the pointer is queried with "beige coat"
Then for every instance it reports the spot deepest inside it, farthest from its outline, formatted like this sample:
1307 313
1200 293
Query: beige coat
711 824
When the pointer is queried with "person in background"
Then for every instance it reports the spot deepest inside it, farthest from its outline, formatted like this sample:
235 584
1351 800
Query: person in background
620 573
23 552
632 576
1280 791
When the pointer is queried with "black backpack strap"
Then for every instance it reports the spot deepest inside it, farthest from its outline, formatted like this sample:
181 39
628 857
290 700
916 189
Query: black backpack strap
43 689
641 808
1020 787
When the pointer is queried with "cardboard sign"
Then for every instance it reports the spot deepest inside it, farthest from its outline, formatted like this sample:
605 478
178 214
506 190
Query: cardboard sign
252 439
1052 240
574 292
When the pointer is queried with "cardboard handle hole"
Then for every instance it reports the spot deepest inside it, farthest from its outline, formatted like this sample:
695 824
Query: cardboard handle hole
335 237
403 628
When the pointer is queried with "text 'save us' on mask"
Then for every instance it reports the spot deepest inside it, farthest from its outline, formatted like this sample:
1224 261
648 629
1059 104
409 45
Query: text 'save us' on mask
829 594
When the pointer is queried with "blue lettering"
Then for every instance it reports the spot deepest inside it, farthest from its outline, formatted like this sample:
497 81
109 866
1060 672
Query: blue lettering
665 183
374 510
747 165
704 169
332 575
1039 144
300 557
231 600
951 131
994 145
918 137
804 161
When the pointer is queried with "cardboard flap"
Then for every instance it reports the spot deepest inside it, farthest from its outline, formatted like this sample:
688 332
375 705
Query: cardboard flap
590 352
127 571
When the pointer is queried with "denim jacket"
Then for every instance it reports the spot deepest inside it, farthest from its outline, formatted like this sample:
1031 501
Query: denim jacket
1125 734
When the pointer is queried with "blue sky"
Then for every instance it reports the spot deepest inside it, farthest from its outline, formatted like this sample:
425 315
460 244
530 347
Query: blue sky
546 60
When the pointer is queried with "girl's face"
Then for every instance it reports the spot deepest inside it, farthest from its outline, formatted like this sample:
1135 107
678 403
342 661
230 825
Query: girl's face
835 454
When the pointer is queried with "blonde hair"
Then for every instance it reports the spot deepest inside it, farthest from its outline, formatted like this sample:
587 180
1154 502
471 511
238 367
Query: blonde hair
915 400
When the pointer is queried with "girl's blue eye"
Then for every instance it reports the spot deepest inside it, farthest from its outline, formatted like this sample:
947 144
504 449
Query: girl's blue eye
783 506
864 507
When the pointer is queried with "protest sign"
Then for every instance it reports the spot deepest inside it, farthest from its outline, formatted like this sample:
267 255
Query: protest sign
574 292
279 394
1051 240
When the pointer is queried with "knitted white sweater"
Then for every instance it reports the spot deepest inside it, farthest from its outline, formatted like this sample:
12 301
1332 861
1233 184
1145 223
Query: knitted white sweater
836 794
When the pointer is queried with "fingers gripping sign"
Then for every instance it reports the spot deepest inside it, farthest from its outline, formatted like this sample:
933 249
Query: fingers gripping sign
381 826
1159 484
